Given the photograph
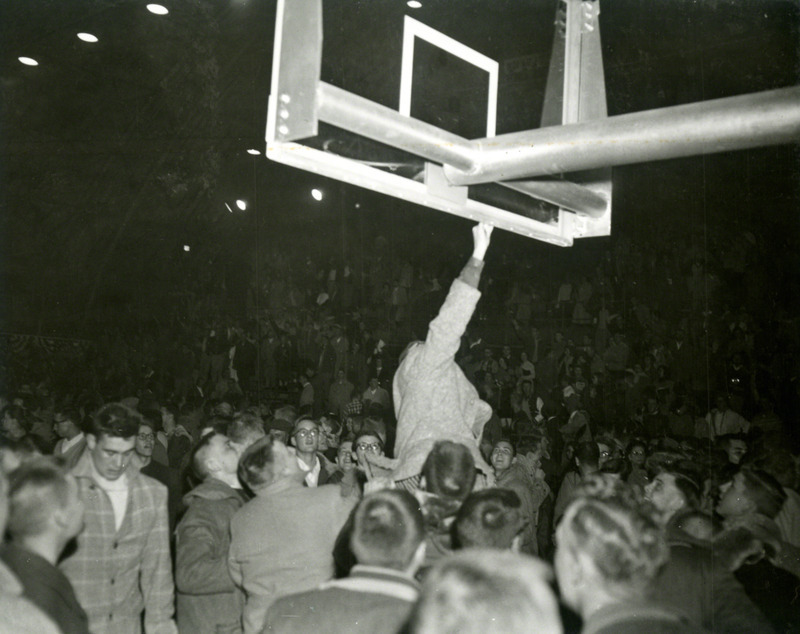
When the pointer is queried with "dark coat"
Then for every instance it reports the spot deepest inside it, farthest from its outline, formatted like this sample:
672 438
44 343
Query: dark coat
207 599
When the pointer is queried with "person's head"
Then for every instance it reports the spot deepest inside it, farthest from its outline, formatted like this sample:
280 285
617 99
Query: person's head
44 500
112 438
449 470
67 422
637 452
734 446
367 442
330 429
486 592
14 422
305 436
587 457
215 456
490 518
502 456
267 461
608 551
677 487
603 452
244 430
373 383
344 454
145 440
152 416
388 531
751 491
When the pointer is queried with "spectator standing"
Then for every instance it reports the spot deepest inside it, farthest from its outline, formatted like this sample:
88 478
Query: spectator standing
121 569
207 599
302 524
377 596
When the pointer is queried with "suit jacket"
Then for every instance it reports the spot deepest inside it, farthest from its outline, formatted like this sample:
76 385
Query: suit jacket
282 542
370 600
117 575
47 588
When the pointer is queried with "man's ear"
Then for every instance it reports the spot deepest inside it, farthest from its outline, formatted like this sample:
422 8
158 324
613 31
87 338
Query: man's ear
91 441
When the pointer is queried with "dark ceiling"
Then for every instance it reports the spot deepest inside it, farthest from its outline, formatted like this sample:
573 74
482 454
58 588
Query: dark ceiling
116 154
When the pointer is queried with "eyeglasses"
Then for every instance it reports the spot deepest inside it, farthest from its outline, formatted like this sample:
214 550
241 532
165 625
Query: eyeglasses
303 433
147 436
369 446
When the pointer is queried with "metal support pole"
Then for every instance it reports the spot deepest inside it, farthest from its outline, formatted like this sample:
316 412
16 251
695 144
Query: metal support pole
720 125
374 121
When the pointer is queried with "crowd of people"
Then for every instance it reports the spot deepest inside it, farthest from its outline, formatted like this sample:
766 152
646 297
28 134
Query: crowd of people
304 472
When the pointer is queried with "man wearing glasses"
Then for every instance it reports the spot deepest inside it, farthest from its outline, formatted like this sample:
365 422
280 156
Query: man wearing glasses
305 438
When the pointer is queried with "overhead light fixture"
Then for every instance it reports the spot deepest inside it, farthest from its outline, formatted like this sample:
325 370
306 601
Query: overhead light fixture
87 37
158 9
187 248
28 61
414 4
254 152
241 204
228 207
316 194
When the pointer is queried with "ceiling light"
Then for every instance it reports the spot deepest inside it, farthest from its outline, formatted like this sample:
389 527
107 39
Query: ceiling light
87 37
187 248
316 194
254 152
241 204
414 4
28 61
228 207
158 9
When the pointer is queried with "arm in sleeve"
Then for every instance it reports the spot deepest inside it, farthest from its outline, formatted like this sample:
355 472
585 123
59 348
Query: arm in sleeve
201 565
157 588
447 328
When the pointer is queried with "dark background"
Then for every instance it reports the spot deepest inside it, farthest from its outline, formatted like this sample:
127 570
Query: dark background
116 154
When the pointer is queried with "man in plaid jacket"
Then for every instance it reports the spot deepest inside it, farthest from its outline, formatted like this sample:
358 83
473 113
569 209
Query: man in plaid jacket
121 569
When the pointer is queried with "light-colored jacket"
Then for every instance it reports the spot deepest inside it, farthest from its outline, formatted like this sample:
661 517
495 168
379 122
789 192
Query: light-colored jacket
117 575
433 400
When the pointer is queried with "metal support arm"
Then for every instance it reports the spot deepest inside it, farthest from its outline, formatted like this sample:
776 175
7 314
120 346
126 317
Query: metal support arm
720 125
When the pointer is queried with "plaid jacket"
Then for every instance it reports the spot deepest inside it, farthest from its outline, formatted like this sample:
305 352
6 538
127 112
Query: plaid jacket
117 575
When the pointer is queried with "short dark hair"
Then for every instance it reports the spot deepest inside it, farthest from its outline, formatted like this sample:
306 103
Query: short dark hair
153 418
387 529
588 453
449 470
508 441
115 420
490 518
366 432
256 466
36 487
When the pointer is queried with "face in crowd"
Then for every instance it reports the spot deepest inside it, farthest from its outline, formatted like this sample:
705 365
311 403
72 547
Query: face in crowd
368 443
145 441
306 436
502 456
111 455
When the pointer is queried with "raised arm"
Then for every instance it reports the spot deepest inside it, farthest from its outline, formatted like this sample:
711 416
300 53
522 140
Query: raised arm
446 329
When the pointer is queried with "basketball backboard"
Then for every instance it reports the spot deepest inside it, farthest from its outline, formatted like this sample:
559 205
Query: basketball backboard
384 100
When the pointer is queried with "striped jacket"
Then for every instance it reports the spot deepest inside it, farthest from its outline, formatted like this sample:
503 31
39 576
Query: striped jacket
117 575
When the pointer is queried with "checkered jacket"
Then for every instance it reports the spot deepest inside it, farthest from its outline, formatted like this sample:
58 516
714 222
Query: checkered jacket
117 575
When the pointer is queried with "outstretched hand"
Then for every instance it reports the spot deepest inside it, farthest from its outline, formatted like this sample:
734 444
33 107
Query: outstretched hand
481 236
